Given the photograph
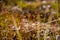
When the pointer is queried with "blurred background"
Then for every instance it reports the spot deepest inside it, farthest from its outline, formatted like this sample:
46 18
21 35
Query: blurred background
29 19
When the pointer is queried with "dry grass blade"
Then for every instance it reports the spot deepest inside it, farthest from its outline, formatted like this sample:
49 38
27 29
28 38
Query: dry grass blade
14 22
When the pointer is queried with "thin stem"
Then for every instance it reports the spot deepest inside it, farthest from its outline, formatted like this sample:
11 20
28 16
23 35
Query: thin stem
56 6
38 27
